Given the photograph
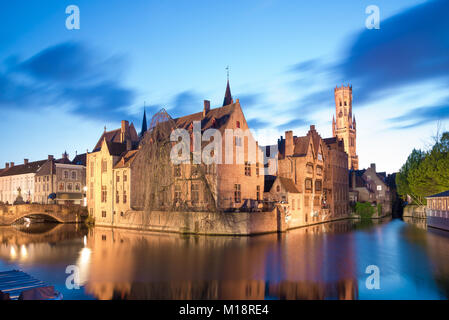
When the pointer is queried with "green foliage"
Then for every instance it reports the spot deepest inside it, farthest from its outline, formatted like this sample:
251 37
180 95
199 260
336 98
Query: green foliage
364 209
425 173
90 220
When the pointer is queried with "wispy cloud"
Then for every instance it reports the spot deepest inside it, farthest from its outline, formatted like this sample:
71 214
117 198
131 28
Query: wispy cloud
421 116
69 74
410 47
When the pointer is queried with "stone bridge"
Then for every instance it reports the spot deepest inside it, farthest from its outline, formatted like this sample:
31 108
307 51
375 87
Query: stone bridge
55 212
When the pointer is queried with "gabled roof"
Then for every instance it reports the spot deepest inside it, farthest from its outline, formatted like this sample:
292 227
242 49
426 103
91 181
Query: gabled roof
286 183
30 167
215 118
441 194
114 136
301 146
127 159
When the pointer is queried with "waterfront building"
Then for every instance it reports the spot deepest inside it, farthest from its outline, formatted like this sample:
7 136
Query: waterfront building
368 185
61 181
282 190
336 183
437 210
18 180
344 127
302 160
107 153
124 169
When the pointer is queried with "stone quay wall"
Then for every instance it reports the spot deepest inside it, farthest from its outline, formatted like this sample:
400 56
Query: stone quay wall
414 211
212 223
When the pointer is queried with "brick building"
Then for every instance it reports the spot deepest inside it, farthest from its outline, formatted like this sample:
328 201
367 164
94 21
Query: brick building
335 177
367 185
118 168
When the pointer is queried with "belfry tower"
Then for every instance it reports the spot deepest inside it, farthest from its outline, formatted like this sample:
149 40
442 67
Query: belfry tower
345 126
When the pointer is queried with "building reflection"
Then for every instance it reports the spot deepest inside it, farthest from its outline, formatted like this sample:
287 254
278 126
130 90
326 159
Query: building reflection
308 263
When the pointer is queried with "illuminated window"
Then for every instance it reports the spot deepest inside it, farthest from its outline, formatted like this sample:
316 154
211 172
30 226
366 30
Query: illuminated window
247 169
237 193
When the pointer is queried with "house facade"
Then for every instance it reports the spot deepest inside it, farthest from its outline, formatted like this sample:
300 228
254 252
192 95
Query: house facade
62 181
335 182
370 186
18 180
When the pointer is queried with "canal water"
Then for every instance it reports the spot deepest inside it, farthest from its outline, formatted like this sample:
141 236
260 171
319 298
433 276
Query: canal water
327 261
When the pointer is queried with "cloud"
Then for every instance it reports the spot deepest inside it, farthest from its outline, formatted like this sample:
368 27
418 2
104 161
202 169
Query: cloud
293 124
258 124
249 100
421 116
307 66
68 74
409 47
184 103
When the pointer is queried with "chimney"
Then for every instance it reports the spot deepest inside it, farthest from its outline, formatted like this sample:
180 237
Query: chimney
288 143
25 161
206 108
7 165
11 164
373 167
312 127
50 157
124 132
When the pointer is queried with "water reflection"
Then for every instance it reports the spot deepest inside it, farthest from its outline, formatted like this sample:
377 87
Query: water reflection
325 261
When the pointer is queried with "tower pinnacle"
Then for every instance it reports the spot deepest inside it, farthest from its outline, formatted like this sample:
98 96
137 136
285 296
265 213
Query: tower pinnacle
144 122
228 96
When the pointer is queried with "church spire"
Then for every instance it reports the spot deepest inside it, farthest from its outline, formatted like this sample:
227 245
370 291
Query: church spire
228 96
144 122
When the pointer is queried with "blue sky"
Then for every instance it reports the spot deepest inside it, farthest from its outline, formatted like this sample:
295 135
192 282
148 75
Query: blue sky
59 87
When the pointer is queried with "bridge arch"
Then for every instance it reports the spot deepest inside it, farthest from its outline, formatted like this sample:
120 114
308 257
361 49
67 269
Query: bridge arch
44 215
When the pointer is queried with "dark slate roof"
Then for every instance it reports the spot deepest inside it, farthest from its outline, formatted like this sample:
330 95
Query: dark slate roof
116 149
30 167
80 159
268 183
441 194
359 182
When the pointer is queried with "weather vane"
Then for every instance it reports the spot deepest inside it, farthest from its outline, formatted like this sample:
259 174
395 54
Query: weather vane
227 71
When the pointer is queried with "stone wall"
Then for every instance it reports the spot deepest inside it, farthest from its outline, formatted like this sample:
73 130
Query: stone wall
219 223
415 211
62 213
